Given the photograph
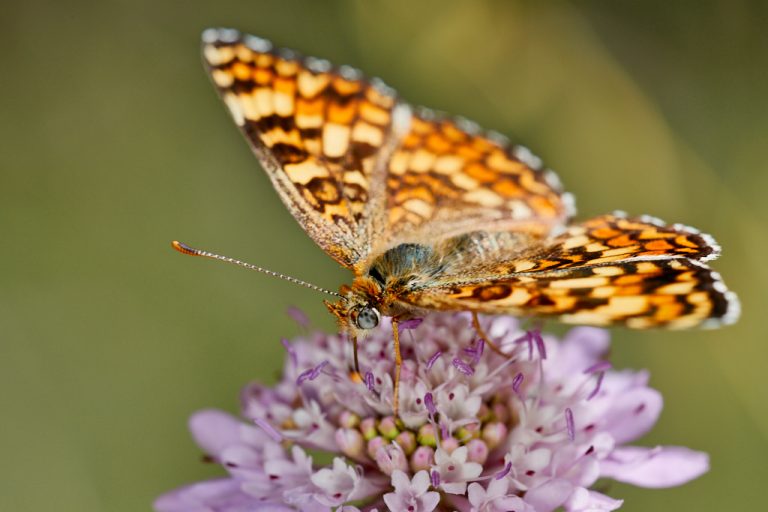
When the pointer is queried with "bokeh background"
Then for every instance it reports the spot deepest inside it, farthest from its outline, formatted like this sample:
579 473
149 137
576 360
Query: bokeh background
113 143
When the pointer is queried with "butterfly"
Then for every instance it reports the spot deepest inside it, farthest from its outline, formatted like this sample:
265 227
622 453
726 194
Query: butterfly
430 212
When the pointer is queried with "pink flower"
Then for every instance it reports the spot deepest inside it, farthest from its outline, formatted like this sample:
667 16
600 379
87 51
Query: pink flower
531 431
411 495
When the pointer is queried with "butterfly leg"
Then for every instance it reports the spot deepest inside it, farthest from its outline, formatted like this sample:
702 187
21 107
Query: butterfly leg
484 336
355 374
398 365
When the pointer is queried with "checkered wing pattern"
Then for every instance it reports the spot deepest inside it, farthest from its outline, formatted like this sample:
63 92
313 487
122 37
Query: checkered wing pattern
319 131
611 270
361 170
448 177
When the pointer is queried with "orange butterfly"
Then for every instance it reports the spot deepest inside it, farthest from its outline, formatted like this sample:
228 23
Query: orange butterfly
431 213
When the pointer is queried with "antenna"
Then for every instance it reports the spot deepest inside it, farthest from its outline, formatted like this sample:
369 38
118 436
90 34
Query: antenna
186 249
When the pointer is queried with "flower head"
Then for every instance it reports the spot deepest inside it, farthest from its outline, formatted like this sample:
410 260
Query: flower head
531 430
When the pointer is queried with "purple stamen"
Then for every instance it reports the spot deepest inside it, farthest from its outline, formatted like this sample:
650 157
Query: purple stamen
311 374
444 431
595 391
434 477
298 316
516 382
433 359
504 472
536 335
569 424
599 366
463 367
269 430
317 369
291 352
475 352
429 402
369 381
528 339
406 325
304 376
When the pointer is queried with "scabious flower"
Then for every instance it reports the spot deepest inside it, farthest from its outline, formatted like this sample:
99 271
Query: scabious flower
528 431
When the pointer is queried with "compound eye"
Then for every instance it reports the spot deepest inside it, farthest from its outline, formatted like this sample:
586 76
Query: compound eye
367 318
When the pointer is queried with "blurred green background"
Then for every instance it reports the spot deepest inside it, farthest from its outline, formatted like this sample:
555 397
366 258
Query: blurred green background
114 143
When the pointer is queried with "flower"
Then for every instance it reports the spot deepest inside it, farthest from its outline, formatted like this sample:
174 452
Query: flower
411 494
531 430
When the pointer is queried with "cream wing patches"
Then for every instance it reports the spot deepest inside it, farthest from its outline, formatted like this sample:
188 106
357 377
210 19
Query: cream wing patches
611 238
432 213
613 269
447 177
675 293
319 132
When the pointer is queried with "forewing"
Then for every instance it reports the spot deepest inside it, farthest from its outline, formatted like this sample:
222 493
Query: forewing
447 177
318 131
611 270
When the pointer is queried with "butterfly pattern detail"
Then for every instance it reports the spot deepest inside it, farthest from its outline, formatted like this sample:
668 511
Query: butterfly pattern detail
430 212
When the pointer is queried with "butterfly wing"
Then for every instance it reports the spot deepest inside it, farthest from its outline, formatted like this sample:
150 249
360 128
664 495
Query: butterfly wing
446 177
319 132
611 270
359 169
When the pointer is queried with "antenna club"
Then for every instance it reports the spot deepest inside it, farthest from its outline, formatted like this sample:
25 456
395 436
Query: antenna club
184 248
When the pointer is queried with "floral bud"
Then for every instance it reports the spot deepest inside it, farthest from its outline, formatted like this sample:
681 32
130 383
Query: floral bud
390 457
493 434
388 427
426 435
478 451
407 441
373 446
449 444
348 419
368 428
467 432
350 442
422 458
500 412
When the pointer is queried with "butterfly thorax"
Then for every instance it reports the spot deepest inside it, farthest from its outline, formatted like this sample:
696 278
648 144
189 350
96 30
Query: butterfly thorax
384 282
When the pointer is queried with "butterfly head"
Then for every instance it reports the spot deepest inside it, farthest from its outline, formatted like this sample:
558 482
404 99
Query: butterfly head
360 308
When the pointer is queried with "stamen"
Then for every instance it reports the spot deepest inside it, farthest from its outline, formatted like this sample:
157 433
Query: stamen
407 325
463 367
369 381
480 348
429 402
504 472
433 359
517 381
528 339
311 374
269 430
595 391
476 352
298 316
569 424
434 477
291 352
599 366
536 335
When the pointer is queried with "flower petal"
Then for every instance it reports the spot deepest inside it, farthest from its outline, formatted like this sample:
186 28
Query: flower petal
655 467
215 430
583 500
222 494
549 495
634 413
